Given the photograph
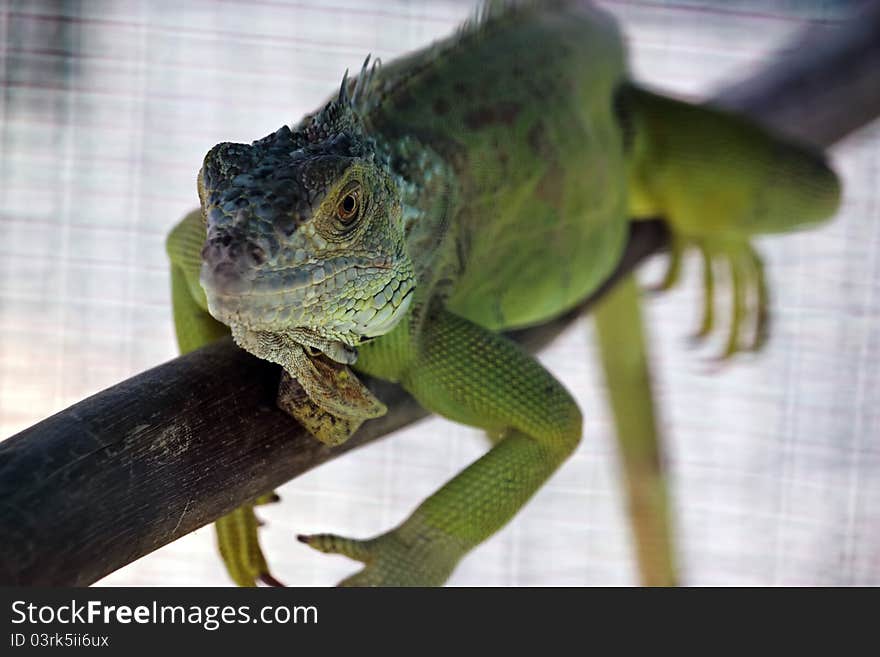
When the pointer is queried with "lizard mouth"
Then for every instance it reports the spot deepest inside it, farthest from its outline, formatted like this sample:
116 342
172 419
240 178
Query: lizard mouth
390 320
281 346
331 321
235 278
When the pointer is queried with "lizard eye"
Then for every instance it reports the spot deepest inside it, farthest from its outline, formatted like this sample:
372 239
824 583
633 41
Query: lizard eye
348 208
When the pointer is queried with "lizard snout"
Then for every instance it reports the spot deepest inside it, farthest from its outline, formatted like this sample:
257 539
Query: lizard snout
229 262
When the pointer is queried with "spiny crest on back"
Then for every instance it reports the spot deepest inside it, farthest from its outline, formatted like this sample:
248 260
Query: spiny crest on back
485 12
280 179
489 16
488 11
342 114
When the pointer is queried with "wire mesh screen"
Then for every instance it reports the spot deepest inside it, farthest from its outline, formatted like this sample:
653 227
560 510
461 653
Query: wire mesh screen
107 111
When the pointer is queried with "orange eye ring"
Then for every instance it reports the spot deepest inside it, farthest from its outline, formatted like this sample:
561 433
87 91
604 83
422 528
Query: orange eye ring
348 208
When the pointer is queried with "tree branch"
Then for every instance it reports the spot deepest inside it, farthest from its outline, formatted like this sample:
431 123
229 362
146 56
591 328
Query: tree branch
149 460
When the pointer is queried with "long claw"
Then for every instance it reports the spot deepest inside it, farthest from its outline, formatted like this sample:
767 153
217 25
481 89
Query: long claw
268 498
748 290
738 307
269 580
673 267
762 303
708 320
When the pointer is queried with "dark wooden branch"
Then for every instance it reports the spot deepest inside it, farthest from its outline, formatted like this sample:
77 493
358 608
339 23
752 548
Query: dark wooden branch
827 87
136 466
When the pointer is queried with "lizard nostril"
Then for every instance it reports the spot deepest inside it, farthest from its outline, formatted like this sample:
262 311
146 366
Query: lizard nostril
257 254
230 246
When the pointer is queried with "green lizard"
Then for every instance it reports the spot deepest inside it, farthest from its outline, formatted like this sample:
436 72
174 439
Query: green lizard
483 183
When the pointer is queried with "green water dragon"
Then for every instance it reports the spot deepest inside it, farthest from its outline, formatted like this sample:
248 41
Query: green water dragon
484 183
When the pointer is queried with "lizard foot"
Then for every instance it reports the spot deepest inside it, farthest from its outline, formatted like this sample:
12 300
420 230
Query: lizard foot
240 546
748 290
390 559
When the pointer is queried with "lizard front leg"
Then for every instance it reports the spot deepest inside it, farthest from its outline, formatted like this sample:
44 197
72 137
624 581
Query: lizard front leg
470 375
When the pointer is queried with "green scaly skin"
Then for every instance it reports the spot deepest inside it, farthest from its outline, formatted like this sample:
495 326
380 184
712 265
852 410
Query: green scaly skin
483 183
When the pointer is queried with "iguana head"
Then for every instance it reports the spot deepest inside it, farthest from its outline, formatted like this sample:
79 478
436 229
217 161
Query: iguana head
304 235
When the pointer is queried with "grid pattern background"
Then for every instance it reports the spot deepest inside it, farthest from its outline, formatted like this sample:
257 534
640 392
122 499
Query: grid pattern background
107 109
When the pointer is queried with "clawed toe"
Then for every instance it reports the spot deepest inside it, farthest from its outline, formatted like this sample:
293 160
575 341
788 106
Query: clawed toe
422 559
673 267
371 575
749 303
269 580
333 544
748 297
240 547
